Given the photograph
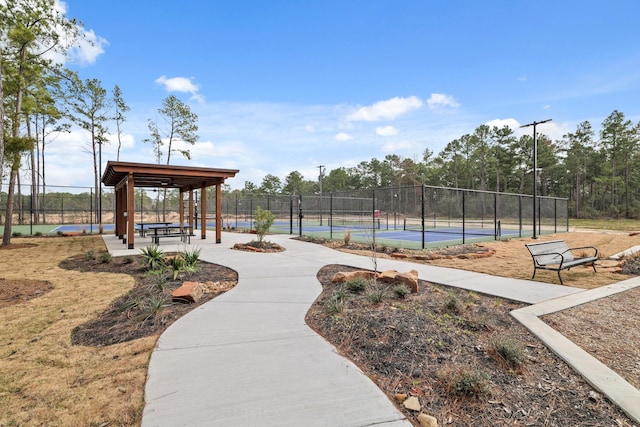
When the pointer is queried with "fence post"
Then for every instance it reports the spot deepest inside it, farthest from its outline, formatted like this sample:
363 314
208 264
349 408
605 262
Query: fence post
300 215
463 218
330 219
291 214
495 216
423 201
519 216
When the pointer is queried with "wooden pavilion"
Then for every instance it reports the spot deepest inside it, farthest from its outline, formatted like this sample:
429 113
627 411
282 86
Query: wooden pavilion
125 177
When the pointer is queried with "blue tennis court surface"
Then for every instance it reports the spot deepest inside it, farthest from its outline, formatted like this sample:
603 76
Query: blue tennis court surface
442 236
89 228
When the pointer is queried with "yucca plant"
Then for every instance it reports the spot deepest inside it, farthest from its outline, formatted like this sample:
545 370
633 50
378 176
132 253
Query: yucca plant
153 257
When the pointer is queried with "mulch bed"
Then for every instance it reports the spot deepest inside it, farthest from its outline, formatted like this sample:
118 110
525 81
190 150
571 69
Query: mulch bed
122 321
440 346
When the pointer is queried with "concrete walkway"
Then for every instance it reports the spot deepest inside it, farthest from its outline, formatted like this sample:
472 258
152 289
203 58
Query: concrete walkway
247 357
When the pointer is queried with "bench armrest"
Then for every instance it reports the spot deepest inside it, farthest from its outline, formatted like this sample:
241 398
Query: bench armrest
546 254
595 250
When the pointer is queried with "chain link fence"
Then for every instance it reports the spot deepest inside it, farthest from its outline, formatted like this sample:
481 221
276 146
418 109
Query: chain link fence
426 210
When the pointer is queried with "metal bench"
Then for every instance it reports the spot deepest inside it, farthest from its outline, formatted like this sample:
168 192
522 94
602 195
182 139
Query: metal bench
555 255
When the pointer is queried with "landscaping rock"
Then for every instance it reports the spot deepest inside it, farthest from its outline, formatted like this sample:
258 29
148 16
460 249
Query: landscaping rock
346 276
401 397
427 420
410 279
189 291
412 404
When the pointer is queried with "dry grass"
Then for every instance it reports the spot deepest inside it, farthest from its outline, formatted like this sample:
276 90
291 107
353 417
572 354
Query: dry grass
44 380
512 259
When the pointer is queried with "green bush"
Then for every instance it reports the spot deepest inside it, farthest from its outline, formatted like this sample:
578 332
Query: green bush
377 293
262 222
336 303
511 350
105 257
153 257
152 306
191 258
469 382
357 284
401 290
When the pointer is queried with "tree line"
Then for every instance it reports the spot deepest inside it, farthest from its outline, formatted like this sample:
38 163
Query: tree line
598 172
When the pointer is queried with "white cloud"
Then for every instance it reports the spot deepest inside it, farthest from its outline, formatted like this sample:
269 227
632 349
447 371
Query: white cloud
343 136
386 131
181 84
89 47
439 100
386 110
500 123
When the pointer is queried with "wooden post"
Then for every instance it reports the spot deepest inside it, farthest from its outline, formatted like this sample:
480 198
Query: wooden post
130 211
203 212
219 212
191 211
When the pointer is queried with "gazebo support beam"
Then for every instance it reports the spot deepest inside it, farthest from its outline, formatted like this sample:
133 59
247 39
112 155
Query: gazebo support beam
130 211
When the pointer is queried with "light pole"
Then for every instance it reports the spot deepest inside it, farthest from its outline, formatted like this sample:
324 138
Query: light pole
321 168
535 172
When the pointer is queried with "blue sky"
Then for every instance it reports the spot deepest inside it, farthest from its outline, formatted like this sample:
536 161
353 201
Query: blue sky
286 85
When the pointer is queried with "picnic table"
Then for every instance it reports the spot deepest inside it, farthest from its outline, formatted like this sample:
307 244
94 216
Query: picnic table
152 224
161 231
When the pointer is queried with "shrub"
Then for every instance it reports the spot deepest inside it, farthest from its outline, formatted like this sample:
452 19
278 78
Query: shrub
377 293
38 234
191 258
105 257
158 281
153 257
401 290
127 259
129 304
262 222
469 382
511 350
453 304
152 306
357 284
336 304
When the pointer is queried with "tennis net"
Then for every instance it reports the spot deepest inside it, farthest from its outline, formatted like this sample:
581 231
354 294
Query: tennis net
454 226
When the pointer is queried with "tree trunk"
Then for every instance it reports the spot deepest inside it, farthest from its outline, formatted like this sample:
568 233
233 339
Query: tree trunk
1 127
6 237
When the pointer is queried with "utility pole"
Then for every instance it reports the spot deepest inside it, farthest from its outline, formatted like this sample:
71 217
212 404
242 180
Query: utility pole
535 173
322 169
